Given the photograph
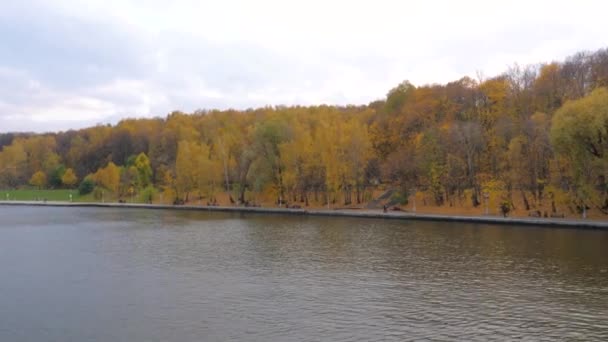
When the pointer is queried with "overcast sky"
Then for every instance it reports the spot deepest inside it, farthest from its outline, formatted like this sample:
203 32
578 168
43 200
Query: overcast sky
69 64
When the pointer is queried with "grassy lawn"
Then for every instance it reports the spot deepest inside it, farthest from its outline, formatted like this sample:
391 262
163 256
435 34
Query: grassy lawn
32 194
63 195
55 195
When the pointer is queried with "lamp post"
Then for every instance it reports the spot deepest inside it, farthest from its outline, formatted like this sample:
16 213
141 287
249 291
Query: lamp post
584 210
583 195
414 204
486 197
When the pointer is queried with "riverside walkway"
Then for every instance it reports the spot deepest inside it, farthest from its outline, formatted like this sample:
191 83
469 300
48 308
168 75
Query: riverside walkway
356 213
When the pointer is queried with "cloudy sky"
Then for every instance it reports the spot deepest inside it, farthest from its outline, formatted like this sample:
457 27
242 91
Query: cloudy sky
69 64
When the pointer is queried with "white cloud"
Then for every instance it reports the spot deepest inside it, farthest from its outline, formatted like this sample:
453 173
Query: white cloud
67 64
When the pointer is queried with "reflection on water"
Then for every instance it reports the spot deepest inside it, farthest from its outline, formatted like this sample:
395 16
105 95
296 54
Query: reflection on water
142 275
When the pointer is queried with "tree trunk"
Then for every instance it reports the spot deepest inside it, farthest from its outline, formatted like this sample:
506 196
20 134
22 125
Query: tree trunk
475 197
526 203
280 179
242 191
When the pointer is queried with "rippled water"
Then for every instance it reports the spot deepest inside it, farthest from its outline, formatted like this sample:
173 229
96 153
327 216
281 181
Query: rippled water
71 274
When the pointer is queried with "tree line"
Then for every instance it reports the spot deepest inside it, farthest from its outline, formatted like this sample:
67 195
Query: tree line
534 136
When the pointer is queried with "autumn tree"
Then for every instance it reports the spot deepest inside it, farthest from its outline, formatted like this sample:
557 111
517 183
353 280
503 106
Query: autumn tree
13 165
69 178
548 88
579 132
430 158
185 169
466 145
144 171
356 154
38 179
109 177
268 136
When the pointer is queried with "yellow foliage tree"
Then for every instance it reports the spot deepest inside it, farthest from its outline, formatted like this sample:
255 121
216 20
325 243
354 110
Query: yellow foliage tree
69 178
108 177
497 195
195 170
38 179
185 176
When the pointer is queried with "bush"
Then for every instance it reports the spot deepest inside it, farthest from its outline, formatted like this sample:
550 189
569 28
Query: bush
86 186
505 208
55 177
399 198
98 193
147 194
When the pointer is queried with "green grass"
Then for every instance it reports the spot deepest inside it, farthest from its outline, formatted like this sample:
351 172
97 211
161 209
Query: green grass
29 194
32 194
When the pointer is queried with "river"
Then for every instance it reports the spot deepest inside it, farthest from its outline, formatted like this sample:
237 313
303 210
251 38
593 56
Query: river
100 274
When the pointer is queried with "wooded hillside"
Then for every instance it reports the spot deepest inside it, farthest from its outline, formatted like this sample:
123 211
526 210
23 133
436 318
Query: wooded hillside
535 135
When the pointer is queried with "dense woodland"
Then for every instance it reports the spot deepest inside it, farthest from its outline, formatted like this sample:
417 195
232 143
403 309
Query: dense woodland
533 137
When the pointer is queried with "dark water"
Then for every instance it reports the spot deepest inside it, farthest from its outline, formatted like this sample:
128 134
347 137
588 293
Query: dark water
72 274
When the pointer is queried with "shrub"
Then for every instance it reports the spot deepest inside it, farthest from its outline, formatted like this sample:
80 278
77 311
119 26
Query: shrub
86 186
147 194
505 208
399 198
98 193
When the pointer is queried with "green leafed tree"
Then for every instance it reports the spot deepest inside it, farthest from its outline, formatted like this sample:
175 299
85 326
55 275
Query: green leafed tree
144 171
579 132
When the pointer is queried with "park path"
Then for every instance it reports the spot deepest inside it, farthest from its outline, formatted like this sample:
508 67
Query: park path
356 213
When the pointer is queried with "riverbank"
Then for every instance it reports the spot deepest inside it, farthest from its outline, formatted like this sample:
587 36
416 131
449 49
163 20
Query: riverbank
377 214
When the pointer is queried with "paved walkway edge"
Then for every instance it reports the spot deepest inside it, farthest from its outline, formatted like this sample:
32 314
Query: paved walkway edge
546 222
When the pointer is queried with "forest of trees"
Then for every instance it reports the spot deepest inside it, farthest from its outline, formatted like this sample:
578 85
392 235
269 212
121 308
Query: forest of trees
535 136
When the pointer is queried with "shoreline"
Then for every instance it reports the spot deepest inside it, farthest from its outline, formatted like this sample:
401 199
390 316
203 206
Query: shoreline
359 213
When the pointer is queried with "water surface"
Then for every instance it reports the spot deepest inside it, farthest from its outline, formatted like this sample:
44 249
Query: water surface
87 274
